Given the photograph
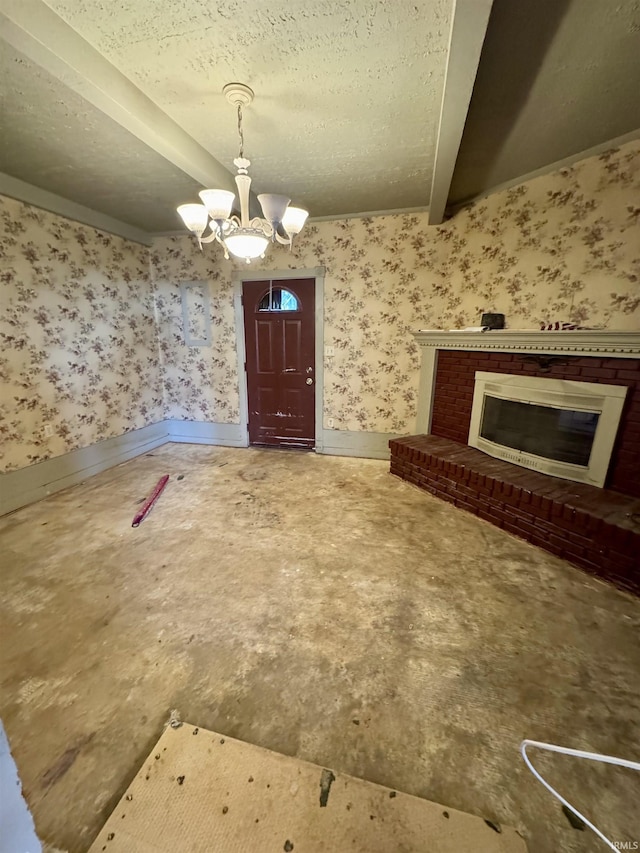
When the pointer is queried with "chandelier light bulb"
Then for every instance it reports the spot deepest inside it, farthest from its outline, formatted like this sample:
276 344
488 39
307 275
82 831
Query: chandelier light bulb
274 208
195 217
247 243
218 203
294 219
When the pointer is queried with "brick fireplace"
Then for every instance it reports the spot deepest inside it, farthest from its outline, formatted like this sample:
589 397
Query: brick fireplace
454 392
597 529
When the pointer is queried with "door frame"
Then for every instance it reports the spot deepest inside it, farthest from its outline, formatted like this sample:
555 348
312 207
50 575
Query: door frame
239 276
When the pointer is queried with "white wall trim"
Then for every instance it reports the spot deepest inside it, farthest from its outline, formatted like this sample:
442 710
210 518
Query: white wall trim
319 358
241 354
240 275
30 194
204 432
367 445
426 389
617 142
316 273
27 485
331 217
369 214
35 482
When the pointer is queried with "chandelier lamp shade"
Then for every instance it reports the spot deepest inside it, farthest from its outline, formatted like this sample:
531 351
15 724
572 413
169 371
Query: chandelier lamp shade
243 237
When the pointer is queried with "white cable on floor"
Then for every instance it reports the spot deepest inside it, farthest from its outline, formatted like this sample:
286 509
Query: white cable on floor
578 753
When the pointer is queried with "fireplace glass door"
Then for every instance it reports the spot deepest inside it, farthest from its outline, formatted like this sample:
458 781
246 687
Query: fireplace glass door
565 435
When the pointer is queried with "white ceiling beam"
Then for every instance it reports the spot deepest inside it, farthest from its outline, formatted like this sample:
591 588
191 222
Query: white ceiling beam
36 31
468 28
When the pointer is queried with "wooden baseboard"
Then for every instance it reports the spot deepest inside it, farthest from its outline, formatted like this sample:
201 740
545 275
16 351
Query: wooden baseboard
369 445
35 482
27 485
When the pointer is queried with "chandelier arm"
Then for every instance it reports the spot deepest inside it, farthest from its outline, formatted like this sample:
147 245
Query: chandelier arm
231 224
284 241
217 235
210 237
261 224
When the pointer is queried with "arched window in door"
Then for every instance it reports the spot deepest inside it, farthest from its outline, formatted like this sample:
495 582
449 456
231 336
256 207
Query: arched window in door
279 299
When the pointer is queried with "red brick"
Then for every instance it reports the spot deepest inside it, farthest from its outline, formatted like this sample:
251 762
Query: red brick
497 511
497 522
573 553
514 499
466 505
633 414
589 361
466 491
591 373
614 362
525 531
633 375
546 505
585 542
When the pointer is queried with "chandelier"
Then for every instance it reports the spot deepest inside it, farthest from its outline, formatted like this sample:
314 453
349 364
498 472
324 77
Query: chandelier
244 237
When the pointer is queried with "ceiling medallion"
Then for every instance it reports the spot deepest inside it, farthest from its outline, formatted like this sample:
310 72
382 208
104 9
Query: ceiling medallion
242 237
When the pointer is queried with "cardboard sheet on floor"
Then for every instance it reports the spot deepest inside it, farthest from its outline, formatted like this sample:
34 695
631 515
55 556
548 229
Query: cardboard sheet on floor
202 792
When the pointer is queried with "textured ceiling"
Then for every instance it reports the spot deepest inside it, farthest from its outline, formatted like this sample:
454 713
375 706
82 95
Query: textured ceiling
348 97
56 140
347 94
556 78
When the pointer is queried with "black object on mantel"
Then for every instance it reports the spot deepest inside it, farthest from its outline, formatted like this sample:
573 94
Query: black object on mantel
544 362
492 321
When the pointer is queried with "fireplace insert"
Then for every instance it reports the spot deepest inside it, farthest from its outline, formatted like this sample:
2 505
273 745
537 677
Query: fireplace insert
559 427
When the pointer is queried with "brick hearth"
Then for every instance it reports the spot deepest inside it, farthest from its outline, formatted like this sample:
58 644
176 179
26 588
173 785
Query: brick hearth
595 529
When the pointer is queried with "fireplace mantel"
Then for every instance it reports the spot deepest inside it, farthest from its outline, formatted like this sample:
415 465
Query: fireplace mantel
579 342
615 344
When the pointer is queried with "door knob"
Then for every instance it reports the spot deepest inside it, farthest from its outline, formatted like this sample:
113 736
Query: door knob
309 381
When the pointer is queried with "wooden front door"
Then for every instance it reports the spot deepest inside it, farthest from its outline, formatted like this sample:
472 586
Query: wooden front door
279 323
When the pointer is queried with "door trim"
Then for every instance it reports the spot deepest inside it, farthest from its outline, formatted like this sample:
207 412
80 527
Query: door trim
317 273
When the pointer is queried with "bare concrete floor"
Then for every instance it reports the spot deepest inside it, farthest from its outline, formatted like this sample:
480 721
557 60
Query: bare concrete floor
319 607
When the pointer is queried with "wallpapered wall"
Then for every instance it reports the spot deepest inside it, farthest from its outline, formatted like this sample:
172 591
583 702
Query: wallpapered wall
81 349
78 345
565 246
199 383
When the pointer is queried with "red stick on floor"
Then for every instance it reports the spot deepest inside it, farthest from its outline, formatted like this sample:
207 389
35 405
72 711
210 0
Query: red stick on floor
153 497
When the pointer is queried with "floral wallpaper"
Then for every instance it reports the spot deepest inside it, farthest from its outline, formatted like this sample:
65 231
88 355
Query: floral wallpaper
195 309
199 383
78 349
91 326
561 247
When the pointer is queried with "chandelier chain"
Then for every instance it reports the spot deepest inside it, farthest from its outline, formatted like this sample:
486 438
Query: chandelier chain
240 131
